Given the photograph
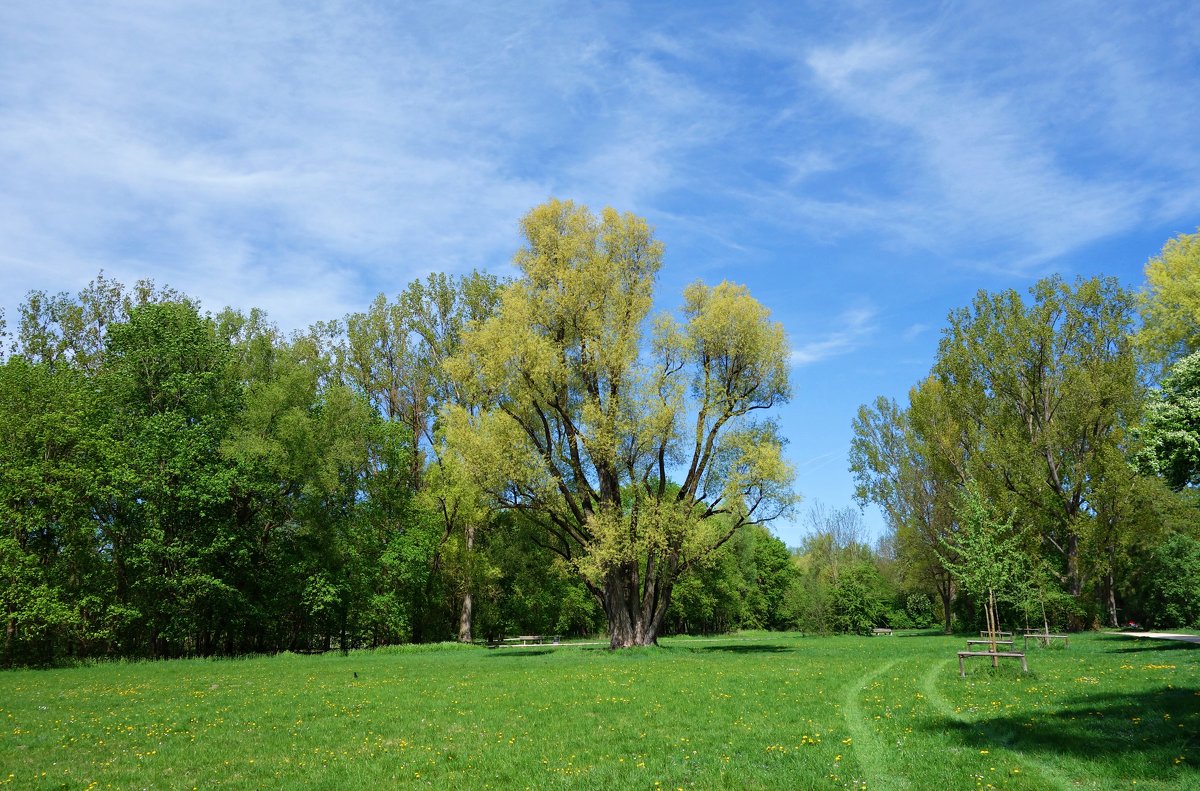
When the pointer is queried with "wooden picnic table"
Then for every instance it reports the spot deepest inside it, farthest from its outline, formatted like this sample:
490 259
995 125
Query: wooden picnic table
526 639
1045 638
962 672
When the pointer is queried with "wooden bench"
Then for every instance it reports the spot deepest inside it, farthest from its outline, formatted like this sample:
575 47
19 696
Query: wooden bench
962 655
878 630
526 639
985 633
987 642
1044 639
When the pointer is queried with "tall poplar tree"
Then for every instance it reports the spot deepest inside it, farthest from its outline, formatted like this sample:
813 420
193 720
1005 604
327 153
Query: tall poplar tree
439 310
1048 389
906 461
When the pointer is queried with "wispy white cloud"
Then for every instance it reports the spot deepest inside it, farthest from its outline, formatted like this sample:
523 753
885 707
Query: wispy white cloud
335 145
336 149
980 172
854 328
973 134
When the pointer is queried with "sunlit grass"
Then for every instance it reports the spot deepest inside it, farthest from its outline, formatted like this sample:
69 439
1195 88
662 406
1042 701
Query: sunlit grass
755 711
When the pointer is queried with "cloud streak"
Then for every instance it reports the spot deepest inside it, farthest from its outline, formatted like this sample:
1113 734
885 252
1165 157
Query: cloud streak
148 139
343 148
979 149
856 327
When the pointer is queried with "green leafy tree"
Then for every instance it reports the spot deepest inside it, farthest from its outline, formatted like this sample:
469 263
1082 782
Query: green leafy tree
394 354
1171 428
858 599
768 577
439 311
522 587
321 495
1170 301
903 461
1046 391
48 556
589 421
987 558
1173 582
749 583
840 588
58 329
170 401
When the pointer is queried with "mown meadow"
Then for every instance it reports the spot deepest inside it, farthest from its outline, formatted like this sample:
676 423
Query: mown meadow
748 711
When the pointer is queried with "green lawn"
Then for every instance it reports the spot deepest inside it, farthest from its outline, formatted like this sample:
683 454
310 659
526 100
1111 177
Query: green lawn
752 711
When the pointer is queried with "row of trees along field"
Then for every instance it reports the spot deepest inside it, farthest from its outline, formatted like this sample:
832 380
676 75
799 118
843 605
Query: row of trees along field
476 457
470 456
1056 441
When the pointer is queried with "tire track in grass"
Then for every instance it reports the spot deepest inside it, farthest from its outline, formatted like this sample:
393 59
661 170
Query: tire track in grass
942 707
868 747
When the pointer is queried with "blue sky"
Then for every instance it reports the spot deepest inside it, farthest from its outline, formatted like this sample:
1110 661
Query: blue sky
862 167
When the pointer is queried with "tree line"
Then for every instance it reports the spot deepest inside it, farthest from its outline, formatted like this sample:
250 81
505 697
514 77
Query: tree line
476 457
469 458
1062 423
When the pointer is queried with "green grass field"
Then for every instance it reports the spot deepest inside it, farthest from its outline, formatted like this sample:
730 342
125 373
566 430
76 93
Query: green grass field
750 711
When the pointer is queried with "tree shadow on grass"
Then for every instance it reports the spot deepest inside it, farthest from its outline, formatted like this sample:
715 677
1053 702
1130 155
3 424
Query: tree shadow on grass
1141 644
518 651
1158 647
1139 735
745 649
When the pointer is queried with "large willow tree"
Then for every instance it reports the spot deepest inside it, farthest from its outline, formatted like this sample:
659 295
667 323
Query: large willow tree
637 455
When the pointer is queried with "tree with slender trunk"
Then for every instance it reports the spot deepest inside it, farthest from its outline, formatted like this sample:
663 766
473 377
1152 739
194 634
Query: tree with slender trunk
439 311
902 462
986 558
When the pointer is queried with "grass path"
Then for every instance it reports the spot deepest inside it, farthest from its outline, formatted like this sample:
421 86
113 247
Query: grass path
939 705
869 750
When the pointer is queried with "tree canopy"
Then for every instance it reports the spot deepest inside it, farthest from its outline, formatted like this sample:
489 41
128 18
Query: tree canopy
473 456
1171 431
590 421
1170 301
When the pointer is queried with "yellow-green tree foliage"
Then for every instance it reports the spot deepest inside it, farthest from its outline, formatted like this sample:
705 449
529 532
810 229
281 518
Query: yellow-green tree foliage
1170 301
638 456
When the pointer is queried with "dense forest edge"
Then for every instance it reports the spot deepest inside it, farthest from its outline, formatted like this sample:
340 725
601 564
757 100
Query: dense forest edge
475 458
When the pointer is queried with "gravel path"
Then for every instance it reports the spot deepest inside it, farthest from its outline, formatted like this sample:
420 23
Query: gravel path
1186 638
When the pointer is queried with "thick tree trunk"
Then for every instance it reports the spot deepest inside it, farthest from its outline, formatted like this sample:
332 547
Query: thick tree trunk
631 621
